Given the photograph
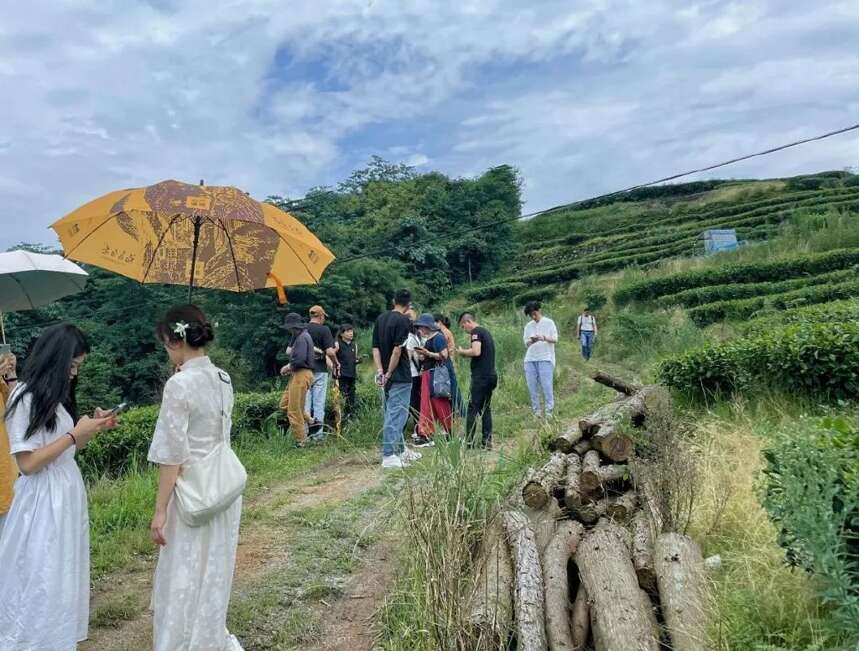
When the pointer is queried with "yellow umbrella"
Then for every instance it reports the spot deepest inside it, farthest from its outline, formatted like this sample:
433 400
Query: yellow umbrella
202 236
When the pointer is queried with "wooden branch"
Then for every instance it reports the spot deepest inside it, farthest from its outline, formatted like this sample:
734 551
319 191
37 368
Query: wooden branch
491 604
619 618
562 547
572 491
581 448
681 579
622 507
590 465
581 620
642 552
540 485
565 440
613 443
622 386
528 580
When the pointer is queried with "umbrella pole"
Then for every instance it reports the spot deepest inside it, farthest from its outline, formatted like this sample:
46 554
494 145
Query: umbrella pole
3 327
198 222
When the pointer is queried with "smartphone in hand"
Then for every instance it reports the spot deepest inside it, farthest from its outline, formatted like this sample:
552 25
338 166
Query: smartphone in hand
120 408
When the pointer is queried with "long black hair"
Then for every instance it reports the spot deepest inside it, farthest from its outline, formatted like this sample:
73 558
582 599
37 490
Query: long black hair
47 376
199 333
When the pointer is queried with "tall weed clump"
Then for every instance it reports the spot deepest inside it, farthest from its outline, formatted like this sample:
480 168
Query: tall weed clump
445 511
811 491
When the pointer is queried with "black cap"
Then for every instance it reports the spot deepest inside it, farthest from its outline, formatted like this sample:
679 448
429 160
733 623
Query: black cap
293 321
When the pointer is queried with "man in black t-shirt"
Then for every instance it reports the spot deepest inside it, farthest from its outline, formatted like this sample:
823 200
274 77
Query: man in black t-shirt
393 373
484 378
323 344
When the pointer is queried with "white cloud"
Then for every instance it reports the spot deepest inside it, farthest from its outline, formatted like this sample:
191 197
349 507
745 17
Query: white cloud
278 97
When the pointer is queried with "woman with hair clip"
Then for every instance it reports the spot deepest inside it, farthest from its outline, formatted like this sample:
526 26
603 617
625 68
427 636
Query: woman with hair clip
193 580
44 546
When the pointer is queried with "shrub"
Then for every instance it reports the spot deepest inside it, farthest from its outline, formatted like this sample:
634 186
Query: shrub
792 267
735 291
821 359
537 294
812 494
836 311
495 290
113 453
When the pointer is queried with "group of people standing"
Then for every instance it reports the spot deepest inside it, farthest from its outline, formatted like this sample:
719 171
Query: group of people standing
412 356
44 537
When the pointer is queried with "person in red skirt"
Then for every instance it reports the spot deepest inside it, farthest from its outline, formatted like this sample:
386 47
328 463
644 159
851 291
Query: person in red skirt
434 355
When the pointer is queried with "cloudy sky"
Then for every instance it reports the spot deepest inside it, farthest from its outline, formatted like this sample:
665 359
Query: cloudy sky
583 96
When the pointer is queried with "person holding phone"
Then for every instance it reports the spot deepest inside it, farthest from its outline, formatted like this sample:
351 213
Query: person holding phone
8 469
540 338
44 545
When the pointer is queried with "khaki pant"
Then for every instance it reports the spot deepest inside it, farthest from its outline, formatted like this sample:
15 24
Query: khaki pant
293 400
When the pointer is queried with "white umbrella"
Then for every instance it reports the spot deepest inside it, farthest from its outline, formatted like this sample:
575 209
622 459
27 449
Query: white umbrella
31 280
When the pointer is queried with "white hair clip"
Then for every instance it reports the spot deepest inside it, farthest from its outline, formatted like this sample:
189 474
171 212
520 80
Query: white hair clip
181 329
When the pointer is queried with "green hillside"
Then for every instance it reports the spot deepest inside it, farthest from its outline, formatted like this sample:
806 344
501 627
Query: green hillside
658 224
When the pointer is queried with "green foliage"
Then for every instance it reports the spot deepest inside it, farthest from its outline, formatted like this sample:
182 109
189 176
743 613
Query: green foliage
812 494
742 309
820 359
837 311
542 294
117 451
735 291
789 267
493 291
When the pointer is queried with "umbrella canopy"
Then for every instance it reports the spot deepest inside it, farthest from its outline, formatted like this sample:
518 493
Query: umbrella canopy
195 235
31 280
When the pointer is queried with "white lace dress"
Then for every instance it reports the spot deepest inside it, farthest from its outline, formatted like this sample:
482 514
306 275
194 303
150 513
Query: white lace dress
194 576
44 547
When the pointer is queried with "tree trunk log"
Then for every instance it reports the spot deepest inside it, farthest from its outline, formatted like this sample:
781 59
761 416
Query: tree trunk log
649 499
561 548
642 552
613 443
588 480
581 448
621 386
566 440
594 479
590 512
491 608
619 619
633 408
572 490
543 523
528 580
581 623
539 488
621 508
681 579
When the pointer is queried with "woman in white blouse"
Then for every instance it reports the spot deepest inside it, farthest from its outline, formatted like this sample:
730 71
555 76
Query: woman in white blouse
44 547
194 576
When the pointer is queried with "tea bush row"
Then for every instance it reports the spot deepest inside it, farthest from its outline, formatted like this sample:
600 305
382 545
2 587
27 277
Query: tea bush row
789 267
735 291
704 315
819 359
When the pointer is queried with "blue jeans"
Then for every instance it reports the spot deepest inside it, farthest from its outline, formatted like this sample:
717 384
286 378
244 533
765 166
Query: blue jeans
587 343
397 396
314 406
539 376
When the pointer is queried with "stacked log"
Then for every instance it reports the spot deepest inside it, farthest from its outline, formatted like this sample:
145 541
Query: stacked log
588 564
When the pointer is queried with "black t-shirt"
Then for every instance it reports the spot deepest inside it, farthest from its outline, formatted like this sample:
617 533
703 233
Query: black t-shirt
483 366
347 358
323 340
391 330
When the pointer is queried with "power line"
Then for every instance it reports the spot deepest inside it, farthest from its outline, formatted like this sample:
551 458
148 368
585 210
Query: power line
608 195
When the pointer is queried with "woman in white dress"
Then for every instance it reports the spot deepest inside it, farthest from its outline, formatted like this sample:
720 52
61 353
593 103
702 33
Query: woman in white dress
44 547
194 576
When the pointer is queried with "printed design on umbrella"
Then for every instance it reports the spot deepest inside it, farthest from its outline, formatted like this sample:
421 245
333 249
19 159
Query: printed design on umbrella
170 198
254 249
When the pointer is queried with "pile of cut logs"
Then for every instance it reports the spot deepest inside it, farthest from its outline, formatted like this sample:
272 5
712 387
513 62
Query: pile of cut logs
578 559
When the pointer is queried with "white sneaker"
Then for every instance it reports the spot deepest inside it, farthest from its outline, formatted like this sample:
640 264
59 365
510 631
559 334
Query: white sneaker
409 455
392 461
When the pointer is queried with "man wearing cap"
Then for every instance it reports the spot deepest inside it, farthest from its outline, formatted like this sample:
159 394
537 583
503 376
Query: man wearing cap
300 368
325 356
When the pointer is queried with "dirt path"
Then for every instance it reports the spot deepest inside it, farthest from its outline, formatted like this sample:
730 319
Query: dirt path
121 619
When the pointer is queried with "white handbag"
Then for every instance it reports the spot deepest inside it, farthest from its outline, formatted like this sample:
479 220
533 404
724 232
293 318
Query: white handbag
212 484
